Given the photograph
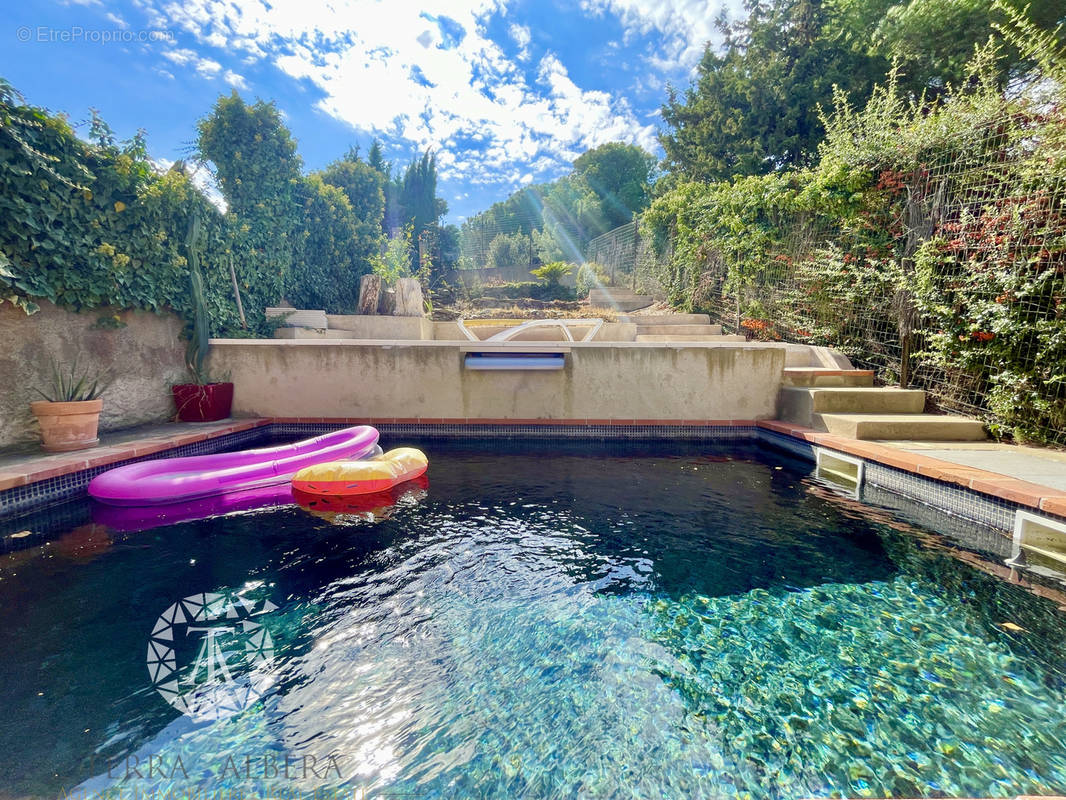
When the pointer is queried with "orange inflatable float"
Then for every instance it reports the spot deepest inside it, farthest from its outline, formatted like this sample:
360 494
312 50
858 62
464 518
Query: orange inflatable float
378 474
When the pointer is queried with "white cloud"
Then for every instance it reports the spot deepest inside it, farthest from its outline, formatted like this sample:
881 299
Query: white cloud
687 25
205 67
117 20
522 37
235 80
362 56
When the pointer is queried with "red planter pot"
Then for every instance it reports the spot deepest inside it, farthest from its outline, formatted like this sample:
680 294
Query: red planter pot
203 403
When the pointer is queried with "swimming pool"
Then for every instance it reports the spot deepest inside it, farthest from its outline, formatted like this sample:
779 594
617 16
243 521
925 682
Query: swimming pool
544 620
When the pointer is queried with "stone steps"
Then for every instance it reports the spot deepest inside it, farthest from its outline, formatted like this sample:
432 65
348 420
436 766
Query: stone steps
825 376
620 299
689 337
902 427
801 404
667 319
679 329
865 412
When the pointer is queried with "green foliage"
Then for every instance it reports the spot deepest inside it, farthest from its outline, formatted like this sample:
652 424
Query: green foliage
934 230
70 384
334 250
756 107
395 262
419 204
607 186
590 275
621 176
522 290
553 273
258 171
91 224
514 250
363 185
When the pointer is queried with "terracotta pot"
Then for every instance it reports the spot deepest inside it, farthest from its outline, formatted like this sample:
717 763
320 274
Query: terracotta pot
202 402
68 426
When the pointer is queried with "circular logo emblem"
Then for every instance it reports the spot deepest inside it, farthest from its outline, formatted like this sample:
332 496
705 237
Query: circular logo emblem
209 655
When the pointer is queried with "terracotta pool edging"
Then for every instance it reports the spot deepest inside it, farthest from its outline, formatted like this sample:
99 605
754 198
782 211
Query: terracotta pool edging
993 484
59 464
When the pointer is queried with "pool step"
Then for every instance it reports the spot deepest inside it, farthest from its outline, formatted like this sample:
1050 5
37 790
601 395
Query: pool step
902 427
800 404
824 376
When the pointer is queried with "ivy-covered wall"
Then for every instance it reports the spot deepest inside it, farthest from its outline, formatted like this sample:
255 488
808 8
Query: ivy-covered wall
928 243
85 224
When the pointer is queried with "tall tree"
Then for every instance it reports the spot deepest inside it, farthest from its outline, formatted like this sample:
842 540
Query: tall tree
419 205
620 174
258 171
754 108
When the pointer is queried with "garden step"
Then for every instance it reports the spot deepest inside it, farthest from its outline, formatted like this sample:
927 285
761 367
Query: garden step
902 427
689 337
624 304
714 330
667 319
621 299
824 376
799 404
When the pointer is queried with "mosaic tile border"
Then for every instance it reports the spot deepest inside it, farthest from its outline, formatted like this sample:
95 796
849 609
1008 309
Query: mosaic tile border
534 431
946 499
33 496
949 499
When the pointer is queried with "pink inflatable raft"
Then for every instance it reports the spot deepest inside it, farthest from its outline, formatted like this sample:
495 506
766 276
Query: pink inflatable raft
171 480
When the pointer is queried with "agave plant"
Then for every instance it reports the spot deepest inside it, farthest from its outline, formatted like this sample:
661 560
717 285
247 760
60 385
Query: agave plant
70 384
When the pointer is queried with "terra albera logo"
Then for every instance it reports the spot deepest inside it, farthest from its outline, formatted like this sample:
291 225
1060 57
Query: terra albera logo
209 655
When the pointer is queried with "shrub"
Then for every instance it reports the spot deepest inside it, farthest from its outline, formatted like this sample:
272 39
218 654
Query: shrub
590 275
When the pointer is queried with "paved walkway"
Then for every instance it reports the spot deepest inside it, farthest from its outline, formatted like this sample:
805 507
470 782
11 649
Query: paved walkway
1033 464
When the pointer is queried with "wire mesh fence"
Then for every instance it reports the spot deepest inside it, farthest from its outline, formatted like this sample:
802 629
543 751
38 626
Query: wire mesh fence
947 274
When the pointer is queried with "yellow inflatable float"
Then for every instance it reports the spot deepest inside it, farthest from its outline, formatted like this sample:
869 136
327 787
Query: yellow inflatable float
378 474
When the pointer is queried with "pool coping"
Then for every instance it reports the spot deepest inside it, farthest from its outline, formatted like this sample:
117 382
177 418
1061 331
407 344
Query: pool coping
992 484
1005 489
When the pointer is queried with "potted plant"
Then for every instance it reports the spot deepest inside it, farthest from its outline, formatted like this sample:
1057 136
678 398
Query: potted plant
201 400
69 415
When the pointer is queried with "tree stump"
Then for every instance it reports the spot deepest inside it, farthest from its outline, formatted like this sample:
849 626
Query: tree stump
408 295
369 294
387 301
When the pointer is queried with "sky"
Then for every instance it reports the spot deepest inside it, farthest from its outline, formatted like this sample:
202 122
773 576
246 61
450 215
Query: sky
505 92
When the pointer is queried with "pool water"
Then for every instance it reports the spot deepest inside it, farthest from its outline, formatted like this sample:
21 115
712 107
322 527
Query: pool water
571 620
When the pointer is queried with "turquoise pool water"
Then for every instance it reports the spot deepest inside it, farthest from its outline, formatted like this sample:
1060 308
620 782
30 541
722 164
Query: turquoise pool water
571 622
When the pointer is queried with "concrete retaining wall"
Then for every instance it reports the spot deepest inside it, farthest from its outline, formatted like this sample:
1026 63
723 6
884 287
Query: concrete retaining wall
428 380
145 357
